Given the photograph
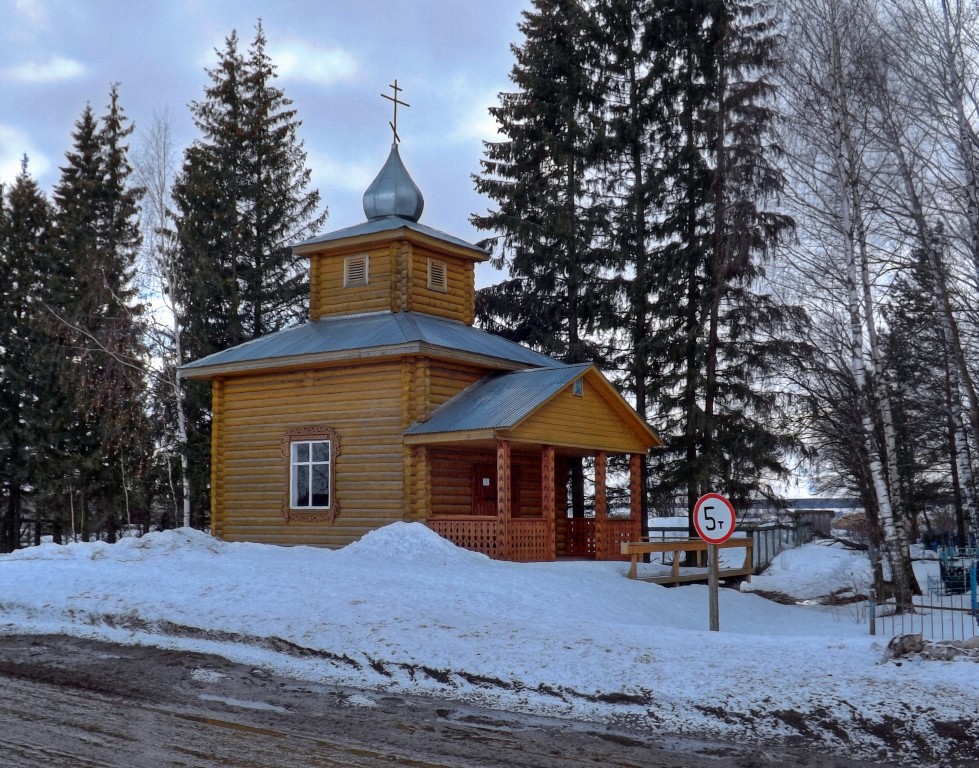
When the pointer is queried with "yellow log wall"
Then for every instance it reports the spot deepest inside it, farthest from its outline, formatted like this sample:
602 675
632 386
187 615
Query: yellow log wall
398 280
458 302
589 421
447 380
451 481
328 297
362 403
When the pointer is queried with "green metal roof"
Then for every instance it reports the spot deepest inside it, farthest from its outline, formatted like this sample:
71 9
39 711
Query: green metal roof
499 401
389 224
356 333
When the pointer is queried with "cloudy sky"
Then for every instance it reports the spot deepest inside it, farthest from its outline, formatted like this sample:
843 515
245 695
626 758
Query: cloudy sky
334 58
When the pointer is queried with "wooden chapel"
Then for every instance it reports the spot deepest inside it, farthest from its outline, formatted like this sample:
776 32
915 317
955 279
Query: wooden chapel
389 405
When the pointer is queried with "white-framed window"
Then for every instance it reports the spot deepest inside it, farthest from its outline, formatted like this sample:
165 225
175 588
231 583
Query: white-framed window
578 388
438 275
356 270
310 474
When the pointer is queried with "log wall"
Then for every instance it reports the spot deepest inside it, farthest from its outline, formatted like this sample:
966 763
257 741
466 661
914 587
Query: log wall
397 281
451 478
328 297
252 415
559 421
458 302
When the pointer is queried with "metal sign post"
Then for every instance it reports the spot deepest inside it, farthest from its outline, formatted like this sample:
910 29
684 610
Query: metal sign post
714 521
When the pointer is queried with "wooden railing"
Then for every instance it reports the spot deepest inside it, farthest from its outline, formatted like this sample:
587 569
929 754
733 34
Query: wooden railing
617 531
529 539
479 534
581 537
636 549
581 540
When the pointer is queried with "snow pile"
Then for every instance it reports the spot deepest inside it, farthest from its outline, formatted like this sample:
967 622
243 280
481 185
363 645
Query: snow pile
404 610
819 570
408 543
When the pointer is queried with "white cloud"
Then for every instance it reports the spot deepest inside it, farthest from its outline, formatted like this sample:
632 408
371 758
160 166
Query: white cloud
299 60
471 118
31 11
55 68
476 123
349 175
14 144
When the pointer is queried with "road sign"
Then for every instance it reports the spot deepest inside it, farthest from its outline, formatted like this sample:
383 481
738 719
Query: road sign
714 519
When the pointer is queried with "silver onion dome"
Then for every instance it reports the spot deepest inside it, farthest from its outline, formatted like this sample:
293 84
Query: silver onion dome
393 193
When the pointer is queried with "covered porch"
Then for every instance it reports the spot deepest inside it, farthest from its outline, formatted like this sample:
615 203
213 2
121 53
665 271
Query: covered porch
494 465
512 504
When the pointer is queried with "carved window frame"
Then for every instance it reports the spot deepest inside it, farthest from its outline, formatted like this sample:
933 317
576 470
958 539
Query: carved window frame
311 433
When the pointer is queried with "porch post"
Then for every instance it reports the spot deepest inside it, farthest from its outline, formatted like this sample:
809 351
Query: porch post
601 506
503 511
548 500
635 495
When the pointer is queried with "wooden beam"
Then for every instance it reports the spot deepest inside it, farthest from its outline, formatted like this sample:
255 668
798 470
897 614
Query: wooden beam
635 494
503 511
548 497
601 505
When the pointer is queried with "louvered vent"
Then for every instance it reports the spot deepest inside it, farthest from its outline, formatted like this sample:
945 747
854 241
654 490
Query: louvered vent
438 275
355 270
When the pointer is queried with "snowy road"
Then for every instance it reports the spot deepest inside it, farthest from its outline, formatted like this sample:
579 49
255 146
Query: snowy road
71 702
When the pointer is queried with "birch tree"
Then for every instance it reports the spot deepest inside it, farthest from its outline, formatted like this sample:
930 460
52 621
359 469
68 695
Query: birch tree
155 170
830 37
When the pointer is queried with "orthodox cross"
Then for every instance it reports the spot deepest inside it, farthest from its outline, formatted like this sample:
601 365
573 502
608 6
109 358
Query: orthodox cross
396 100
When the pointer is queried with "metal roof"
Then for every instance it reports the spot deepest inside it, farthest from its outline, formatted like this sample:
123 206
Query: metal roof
388 224
499 401
353 333
393 192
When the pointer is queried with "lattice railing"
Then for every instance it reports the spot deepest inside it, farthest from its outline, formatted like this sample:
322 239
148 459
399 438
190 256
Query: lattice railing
581 537
618 530
531 540
476 534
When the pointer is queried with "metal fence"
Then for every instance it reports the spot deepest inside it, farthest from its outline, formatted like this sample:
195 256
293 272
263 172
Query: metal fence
769 538
948 609
935 617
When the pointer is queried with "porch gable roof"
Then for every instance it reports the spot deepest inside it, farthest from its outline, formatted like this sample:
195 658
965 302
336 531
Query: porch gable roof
500 404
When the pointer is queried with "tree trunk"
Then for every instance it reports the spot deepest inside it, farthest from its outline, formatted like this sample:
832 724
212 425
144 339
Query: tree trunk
897 549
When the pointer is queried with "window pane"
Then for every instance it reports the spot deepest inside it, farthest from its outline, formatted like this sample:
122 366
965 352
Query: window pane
321 451
301 486
321 485
300 451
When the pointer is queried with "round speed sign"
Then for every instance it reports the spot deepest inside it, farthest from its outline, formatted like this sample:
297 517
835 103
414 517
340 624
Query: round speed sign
713 517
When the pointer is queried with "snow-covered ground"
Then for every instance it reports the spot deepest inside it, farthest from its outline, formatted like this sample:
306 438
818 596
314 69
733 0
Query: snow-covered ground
404 610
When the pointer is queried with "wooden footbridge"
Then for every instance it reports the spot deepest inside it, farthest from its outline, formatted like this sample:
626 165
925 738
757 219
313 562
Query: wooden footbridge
636 549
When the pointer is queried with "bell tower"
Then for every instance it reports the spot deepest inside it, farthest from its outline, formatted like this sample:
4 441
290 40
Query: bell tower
392 262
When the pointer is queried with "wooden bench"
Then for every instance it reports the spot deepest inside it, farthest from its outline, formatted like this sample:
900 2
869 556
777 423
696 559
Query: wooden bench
635 549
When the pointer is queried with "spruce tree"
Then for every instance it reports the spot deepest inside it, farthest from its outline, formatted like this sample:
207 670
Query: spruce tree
242 200
25 222
719 336
748 330
98 447
631 171
549 217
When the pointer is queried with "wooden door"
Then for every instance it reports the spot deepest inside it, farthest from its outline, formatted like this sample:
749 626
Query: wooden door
484 490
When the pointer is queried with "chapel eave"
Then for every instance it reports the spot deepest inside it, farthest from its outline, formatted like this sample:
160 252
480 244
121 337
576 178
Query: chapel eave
386 229
310 361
